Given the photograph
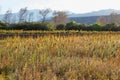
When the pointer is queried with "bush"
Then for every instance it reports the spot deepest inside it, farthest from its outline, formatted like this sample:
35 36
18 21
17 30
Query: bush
19 26
32 26
48 26
2 24
111 27
95 27
60 27
72 26
82 27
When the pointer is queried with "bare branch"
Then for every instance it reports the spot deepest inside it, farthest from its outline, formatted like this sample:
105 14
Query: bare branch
22 15
7 16
44 13
30 17
60 17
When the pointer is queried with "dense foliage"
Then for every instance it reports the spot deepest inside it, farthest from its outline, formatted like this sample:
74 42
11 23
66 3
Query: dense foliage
68 26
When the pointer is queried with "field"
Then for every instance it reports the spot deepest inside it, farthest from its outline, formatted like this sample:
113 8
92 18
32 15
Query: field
59 55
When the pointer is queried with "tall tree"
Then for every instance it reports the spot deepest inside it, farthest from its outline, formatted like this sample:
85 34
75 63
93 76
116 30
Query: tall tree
44 13
7 16
22 15
60 17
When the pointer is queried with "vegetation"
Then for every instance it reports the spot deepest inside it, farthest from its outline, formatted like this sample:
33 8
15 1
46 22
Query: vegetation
91 56
46 26
58 49
59 20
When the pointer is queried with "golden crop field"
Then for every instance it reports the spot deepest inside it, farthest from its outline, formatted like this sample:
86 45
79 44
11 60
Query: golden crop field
54 57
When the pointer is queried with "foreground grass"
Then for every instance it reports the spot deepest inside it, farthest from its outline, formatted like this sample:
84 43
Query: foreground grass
88 57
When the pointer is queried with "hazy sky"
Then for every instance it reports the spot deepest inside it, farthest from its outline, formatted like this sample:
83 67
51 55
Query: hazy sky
77 6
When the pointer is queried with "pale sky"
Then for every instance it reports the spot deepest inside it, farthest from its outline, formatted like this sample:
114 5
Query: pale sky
76 6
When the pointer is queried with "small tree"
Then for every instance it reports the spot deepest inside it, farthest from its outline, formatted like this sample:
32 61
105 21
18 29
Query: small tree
7 16
44 13
22 15
60 17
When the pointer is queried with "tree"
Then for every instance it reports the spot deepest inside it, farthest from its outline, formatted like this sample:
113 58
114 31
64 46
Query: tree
60 17
114 18
102 21
7 16
22 15
14 19
30 17
44 13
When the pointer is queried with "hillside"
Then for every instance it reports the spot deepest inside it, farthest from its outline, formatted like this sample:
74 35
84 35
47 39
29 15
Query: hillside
87 20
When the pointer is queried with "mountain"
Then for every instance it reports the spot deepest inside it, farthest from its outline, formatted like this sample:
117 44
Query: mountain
96 13
91 17
88 18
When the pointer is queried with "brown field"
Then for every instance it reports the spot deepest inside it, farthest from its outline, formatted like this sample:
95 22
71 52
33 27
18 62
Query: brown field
80 56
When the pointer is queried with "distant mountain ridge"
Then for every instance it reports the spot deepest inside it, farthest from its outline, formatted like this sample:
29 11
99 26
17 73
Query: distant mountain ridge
96 13
88 18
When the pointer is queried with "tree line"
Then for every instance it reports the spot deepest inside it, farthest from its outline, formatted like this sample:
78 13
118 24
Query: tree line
68 26
59 21
24 15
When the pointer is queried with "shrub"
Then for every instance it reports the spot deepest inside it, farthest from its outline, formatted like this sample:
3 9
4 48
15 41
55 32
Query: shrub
32 26
72 26
111 27
2 24
82 27
95 27
60 27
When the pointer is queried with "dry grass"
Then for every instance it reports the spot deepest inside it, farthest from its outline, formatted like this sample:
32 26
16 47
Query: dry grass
88 57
